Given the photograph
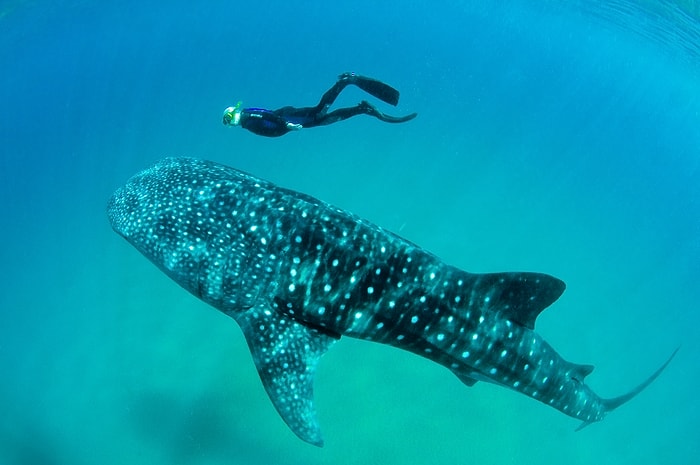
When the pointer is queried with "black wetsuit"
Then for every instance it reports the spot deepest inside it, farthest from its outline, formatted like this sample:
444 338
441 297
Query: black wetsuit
275 123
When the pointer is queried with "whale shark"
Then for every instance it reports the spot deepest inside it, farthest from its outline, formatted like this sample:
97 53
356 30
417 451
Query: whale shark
298 274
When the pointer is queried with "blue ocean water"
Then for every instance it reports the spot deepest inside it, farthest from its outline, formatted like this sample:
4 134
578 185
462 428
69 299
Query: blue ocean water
560 139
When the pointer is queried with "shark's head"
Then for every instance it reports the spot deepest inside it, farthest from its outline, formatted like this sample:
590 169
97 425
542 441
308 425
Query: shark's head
172 214
151 212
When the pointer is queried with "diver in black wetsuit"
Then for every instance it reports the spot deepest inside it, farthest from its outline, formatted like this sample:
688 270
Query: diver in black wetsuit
275 123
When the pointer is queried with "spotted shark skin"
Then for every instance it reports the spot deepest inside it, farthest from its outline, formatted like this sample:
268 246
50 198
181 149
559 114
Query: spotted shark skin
297 274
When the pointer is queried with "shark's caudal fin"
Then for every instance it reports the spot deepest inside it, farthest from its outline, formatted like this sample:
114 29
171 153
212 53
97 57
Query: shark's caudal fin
615 402
286 354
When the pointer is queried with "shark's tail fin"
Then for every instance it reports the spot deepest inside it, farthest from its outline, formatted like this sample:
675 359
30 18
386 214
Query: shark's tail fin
612 404
615 402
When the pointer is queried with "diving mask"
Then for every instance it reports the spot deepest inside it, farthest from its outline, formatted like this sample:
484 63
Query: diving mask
232 115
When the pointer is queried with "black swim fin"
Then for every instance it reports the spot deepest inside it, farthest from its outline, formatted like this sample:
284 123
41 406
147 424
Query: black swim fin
396 119
383 92
371 110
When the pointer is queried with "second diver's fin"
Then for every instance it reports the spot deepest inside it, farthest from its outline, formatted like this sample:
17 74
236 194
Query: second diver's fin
370 109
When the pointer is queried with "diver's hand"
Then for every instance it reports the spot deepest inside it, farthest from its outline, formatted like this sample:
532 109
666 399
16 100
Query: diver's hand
294 127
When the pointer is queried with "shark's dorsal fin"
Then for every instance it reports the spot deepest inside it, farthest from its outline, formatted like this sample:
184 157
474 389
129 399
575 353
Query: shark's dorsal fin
466 379
579 372
519 297
286 354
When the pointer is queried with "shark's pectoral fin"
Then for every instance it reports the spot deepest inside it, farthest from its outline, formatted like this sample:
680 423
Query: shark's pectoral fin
286 354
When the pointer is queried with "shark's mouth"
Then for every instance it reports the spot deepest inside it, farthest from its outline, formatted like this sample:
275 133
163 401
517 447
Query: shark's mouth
115 210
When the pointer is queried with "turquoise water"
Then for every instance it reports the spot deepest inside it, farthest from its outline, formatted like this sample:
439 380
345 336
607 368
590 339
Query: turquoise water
552 139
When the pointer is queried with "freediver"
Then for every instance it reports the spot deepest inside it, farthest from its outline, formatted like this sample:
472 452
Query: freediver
275 123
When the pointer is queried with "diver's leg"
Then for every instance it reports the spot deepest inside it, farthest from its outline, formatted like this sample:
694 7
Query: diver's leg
331 94
339 115
376 88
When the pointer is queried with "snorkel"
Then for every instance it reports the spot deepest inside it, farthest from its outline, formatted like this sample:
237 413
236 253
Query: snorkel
232 115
